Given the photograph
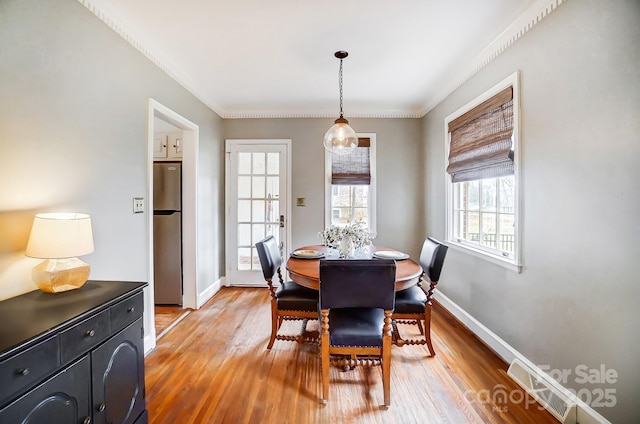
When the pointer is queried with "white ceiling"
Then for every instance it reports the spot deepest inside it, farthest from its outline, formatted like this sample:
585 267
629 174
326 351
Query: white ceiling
256 58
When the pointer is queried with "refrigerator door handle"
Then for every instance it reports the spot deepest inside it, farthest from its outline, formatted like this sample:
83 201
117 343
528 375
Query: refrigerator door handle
164 212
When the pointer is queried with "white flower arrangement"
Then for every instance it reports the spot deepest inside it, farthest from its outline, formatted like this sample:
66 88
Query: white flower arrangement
357 232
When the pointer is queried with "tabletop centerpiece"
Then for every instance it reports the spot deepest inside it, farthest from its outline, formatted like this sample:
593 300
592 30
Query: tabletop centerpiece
346 238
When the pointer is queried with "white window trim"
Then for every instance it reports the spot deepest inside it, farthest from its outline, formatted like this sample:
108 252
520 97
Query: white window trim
515 263
372 186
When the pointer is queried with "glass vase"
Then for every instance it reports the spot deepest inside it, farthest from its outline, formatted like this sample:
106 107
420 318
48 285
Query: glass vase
345 249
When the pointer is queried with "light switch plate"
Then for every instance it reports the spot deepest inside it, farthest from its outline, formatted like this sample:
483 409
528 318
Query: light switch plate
138 205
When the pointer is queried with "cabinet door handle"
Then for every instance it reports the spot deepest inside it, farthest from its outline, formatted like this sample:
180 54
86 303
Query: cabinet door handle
23 371
131 309
90 333
101 407
87 420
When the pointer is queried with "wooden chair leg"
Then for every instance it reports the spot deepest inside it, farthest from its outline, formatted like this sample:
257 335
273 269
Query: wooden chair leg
386 378
427 329
324 362
274 324
325 376
386 359
420 326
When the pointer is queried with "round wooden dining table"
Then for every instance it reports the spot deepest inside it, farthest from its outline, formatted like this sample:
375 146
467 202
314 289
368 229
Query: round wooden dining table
306 271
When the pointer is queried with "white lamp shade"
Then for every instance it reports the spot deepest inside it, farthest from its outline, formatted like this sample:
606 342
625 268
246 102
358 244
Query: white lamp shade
60 235
340 139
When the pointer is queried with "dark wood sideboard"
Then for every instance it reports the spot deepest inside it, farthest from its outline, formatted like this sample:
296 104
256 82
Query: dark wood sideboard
73 357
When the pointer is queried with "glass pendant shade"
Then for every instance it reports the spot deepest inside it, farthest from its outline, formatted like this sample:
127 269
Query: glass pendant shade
340 139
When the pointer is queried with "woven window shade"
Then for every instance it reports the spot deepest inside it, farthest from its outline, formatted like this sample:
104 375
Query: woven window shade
481 140
354 168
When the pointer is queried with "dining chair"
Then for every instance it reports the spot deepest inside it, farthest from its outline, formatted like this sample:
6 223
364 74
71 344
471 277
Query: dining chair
289 300
356 303
413 305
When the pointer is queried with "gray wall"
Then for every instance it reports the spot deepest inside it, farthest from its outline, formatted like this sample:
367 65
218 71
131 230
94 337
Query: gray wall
575 302
399 211
73 123
73 136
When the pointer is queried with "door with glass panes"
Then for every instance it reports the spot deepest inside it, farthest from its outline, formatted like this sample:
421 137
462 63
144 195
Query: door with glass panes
257 205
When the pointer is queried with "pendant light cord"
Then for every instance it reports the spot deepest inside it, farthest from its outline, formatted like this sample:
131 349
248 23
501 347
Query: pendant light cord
340 79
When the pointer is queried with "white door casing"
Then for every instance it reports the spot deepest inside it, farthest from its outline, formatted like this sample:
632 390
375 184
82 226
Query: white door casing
191 283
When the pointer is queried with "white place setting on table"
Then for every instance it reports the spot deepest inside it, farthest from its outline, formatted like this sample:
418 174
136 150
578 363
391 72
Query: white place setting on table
307 254
361 254
390 254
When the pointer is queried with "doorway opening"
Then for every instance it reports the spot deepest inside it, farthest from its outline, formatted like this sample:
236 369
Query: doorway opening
190 138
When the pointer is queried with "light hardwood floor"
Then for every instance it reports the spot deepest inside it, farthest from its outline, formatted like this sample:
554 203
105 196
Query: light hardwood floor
166 316
213 367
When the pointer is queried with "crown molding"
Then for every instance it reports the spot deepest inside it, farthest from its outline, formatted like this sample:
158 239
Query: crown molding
287 114
533 14
129 33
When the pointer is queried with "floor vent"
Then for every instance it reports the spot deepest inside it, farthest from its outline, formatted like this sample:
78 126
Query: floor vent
553 400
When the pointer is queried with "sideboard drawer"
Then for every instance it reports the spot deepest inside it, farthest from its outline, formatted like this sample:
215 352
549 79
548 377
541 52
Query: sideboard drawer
28 367
83 336
126 312
63 398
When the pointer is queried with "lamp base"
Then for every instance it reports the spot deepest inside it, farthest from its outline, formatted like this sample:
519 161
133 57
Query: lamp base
59 275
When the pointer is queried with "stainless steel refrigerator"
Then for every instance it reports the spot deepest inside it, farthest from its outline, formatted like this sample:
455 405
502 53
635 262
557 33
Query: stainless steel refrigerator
167 233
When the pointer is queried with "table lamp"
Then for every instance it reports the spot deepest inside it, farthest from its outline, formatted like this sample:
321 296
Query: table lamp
59 238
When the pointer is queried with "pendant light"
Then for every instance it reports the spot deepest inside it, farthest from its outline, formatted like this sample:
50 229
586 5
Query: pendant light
341 139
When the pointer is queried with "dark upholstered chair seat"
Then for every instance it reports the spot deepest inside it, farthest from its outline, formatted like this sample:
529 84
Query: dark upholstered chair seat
410 301
356 327
292 296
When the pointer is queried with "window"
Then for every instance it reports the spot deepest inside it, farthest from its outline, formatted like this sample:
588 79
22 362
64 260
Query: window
483 214
349 204
482 162
350 185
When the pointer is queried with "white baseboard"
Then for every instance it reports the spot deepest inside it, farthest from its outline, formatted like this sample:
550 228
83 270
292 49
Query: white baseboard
254 285
149 344
173 324
499 346
261 283
586 414
208 293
